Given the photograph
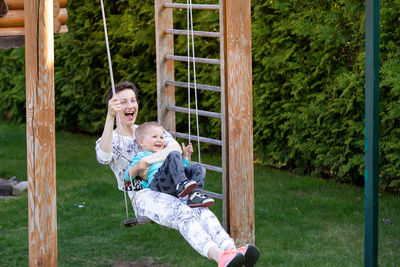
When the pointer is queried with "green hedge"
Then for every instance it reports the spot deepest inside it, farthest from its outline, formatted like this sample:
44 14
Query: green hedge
308 76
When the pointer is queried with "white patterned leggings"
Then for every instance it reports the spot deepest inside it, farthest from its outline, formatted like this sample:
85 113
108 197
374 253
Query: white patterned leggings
199 226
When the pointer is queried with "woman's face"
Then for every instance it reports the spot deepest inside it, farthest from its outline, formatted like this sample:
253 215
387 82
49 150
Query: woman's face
129 106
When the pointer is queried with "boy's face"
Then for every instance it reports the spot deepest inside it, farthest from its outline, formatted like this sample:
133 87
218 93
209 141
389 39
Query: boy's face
153 139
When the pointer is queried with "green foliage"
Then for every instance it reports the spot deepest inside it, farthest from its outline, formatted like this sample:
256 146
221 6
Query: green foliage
308 59
308 76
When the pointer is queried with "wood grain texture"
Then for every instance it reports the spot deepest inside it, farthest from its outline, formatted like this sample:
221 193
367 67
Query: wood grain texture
165 68
239 124
40 124
15 18
19 4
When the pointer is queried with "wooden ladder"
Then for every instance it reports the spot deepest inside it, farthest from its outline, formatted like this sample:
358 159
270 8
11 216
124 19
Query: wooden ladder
232 212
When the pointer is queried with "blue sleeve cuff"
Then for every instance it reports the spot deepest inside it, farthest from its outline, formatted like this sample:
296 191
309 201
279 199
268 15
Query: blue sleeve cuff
185 162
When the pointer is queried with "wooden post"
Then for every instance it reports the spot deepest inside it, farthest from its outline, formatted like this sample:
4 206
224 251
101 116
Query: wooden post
165 68
239 119
40 125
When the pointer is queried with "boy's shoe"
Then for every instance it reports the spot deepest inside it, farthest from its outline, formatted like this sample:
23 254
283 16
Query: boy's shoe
250 253
197 199
184 188
231 258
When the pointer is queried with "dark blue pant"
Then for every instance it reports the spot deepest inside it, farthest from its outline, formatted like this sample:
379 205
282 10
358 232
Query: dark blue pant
173 172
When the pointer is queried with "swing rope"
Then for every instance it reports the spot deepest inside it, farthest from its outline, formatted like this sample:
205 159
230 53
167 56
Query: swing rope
143 220
190 32
119 127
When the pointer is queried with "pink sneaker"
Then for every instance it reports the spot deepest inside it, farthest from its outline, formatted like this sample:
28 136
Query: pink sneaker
250 253
231 258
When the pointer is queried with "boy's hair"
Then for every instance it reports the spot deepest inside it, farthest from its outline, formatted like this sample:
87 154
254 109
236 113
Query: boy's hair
140 131
122 86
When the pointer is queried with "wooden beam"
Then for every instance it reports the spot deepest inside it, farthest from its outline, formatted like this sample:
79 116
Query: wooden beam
40 125
12 31
7 42
165 68
15 18
239 119
19 4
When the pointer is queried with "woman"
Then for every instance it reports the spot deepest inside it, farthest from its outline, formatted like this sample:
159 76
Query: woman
199 226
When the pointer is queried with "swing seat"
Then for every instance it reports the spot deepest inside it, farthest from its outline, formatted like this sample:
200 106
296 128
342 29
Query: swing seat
134 221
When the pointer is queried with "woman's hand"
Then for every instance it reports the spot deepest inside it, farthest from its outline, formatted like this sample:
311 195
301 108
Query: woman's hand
187 150
114 106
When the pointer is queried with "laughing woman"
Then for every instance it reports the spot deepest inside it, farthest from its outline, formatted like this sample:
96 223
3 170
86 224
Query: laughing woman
199 226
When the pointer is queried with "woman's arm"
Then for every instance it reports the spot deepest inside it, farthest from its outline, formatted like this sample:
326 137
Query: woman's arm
133 171
162 155
106 138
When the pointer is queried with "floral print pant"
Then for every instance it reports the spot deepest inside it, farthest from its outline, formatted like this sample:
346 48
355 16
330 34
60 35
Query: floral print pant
199 226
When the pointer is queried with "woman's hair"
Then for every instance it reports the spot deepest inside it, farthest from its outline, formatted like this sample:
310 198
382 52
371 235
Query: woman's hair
140 131
122 86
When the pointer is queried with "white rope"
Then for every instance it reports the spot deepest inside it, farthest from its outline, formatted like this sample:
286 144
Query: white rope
189 2
119 127
188 66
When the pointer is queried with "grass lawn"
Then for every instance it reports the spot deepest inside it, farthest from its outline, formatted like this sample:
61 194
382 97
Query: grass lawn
300 221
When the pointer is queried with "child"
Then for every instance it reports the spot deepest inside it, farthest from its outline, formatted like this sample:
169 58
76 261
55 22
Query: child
169 176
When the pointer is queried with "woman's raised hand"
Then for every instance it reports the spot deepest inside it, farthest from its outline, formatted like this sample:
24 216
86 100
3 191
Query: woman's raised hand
114 106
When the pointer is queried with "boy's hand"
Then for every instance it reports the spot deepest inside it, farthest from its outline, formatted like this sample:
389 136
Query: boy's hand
143 174
187 150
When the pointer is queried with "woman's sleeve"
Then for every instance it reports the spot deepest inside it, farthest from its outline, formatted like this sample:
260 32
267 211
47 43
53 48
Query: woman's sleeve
102 157
168 139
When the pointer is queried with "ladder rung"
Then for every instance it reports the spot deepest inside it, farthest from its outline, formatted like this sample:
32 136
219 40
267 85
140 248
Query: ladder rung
194 6
209 167
198 86
197 59
193 111
212 194
194 137
195 33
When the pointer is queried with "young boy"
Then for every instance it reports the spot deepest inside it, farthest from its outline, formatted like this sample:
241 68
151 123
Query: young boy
173 176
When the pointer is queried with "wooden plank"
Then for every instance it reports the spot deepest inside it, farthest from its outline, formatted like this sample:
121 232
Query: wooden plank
198 86
12 31
193 112
195 33
19 31
239 119
15 4
165 68
15 18
40 126
19 4
7 42
225 193
194 6
194 138
212 194
197 59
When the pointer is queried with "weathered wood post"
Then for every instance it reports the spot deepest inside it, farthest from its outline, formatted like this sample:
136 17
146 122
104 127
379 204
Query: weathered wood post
40 125
165 68
239 119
